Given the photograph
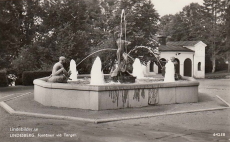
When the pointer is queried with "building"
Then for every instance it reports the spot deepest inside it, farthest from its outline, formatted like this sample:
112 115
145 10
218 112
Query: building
190 56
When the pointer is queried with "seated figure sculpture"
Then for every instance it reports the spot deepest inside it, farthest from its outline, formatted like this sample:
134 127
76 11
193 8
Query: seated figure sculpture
59 74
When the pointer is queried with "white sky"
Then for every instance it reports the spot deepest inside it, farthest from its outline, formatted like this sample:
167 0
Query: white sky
164 7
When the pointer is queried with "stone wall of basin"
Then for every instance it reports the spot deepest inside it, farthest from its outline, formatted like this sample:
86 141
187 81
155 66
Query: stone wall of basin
116 96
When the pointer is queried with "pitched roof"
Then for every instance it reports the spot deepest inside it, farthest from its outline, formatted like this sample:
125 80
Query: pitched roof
183 43
167 47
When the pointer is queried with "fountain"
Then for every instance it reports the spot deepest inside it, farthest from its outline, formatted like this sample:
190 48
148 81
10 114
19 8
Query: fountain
97 76
120 74
98 95
73 70
138 69
169 72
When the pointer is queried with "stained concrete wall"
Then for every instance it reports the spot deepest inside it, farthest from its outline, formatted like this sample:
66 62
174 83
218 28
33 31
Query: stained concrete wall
114 96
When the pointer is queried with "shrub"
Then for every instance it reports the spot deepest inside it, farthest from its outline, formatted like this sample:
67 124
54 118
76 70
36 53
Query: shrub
29 76
3 79
26 60
18 81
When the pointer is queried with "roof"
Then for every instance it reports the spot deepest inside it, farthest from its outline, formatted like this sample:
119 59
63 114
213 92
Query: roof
183 43
172 48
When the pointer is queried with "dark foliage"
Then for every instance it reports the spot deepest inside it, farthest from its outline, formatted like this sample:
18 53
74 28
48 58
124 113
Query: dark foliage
29 76
3 79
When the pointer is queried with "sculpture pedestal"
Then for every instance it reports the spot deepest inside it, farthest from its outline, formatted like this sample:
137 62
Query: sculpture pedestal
124 77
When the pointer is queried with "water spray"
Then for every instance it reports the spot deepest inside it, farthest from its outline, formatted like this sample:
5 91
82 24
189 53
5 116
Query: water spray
149 48
92 54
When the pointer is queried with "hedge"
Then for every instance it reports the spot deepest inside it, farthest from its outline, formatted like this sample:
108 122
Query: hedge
18 81
29 76
3 79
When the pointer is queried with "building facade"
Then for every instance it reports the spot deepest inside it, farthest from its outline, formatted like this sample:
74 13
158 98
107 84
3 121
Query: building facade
190 56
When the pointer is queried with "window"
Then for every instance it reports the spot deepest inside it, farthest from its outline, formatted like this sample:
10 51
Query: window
162 64
151 69
199 66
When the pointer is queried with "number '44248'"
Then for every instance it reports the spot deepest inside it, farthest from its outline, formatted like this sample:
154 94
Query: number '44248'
219 134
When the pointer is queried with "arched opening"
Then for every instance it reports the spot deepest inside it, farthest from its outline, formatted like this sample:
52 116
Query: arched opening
163 62
151 67
177 66
188 67
199 66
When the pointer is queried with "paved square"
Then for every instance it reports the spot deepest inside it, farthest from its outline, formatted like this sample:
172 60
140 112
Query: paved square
196 126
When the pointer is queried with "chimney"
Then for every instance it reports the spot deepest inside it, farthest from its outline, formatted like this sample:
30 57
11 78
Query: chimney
162 39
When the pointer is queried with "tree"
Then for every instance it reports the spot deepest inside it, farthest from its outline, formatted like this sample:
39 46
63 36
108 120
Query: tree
178 29
43 30
28 59
196 22
11 20
165 26
141 19
215 12
193 17
186 25
228 32
61 29
18 30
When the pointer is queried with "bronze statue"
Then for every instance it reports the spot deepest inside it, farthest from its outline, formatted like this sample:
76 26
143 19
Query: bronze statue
59 74
121 55
120 73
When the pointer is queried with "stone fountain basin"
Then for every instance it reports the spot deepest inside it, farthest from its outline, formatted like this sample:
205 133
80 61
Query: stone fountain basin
115 96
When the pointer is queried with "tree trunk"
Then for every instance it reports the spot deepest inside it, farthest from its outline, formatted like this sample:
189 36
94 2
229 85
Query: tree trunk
228 33
213 64
228 61
229 65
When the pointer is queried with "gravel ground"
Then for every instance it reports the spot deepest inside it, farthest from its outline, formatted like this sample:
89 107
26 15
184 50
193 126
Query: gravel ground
27 104
189 127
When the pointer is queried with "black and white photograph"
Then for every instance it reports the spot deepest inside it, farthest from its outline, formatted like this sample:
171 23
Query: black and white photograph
114 70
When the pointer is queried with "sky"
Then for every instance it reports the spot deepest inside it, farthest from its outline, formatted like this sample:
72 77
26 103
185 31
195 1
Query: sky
164 7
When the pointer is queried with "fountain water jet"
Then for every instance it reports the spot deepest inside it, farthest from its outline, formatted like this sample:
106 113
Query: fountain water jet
97 76
169 72
138 69
73 70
